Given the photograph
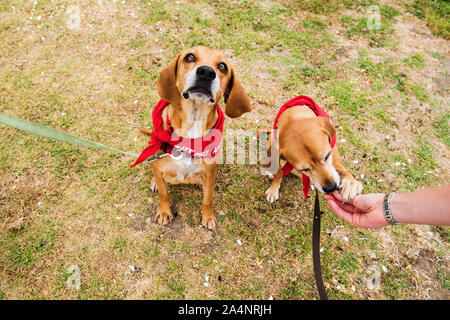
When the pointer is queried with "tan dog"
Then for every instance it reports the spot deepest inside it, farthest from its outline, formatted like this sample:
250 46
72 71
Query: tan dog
193 84
304 141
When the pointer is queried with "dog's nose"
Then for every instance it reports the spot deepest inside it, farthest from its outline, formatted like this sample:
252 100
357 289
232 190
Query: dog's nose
330 188
206 73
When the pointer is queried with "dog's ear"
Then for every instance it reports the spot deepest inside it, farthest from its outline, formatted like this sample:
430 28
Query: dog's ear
328 126
236 100
166 83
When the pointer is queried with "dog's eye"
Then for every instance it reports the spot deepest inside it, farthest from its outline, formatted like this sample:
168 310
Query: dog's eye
189 58
222 67
307 169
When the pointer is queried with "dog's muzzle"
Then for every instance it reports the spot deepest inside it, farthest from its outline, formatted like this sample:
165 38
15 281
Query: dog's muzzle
330 188
204 76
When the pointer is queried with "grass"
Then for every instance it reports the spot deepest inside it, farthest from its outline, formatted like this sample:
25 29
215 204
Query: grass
415 61
419 92
22 249
378 36
441 128
65 206
435 13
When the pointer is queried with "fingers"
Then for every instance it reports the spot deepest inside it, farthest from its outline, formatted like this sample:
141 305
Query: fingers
343 205
337 195
366 211
336 208
346 207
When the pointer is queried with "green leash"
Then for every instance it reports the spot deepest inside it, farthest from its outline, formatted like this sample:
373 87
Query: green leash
43 131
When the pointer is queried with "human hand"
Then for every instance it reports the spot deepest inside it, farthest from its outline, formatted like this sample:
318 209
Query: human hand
364 210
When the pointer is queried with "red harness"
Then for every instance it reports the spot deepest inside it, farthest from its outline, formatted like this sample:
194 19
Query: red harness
168 141
302 101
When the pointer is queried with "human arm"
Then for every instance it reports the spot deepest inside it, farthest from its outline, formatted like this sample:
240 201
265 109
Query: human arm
429 206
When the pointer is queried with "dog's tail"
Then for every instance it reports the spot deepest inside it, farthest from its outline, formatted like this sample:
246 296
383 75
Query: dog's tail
146 131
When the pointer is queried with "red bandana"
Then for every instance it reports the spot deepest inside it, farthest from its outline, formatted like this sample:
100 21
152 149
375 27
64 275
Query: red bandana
170 142
302 101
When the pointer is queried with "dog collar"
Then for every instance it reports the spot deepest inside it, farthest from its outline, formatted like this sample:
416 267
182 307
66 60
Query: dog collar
302 101
168 141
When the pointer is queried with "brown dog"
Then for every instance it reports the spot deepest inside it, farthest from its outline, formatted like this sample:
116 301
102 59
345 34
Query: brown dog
193 84
303 140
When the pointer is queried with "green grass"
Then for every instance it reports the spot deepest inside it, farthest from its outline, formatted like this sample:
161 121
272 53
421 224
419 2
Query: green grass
156 13
419 92
441 128
378 36
417 173
24 248
435 13
315 23
348 97
415 61
437 55
294 290
386 70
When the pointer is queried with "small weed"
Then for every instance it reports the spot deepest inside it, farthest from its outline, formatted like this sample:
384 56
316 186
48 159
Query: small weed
314 23
415 61
119 243
137 43
419 92
441 128
437 56
295 290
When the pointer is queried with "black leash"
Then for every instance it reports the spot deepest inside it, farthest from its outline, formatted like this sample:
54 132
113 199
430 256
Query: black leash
316 249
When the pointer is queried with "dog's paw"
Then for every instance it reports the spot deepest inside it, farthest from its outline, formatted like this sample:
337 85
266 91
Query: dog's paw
350 188
267 173
208 217
153 186
272 194
209 222
163 217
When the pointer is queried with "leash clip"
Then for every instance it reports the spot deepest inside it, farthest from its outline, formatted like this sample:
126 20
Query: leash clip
158 156
162 155
178 157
